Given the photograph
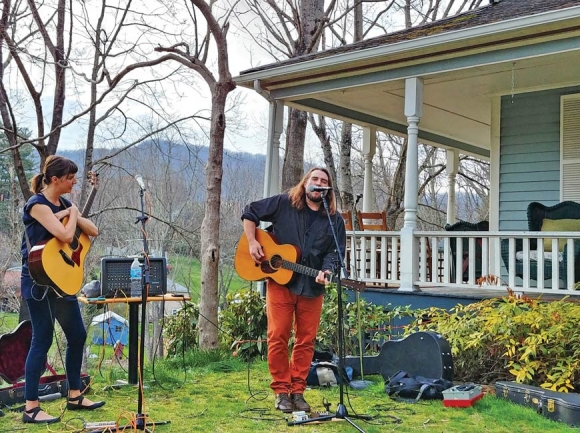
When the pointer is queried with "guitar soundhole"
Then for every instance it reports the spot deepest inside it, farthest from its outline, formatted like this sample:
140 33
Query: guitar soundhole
276 262
266 268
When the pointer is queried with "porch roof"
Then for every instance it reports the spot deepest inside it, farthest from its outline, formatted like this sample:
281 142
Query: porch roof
465 61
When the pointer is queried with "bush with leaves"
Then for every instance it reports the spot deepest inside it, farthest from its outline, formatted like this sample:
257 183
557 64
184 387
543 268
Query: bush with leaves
181 330
243 324
530 341
374 321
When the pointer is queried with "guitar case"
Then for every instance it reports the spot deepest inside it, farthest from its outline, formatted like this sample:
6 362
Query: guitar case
423 353
14 348
557 406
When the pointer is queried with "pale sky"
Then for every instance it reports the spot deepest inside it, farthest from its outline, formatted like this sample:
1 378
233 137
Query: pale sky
254 109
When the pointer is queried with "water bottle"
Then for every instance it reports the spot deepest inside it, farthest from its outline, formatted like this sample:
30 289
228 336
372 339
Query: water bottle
135 279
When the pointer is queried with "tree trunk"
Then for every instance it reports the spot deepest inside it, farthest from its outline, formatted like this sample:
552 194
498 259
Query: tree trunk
210 249
322 133
395 200
344 168
310 23
293 168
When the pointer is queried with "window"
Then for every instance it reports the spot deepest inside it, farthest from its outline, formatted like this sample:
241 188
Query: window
570 147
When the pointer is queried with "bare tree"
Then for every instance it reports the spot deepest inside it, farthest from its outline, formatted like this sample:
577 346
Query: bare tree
196 57
43 58
291 29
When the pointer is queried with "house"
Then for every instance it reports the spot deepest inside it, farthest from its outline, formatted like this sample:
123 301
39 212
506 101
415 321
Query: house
109 328
172 307
499 82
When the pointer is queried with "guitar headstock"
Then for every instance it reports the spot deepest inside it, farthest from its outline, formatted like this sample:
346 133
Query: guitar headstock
93 179
357 286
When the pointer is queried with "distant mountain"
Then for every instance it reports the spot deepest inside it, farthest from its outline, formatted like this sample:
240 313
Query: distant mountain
237 166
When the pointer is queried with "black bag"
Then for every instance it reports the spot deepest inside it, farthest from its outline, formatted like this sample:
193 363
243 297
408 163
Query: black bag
325 374
416 387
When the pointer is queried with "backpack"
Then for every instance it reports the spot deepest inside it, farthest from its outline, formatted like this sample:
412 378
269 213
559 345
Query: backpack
404 386
326 374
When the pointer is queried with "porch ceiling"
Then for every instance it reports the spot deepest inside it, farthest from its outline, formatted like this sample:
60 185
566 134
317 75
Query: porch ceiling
463 72
457 104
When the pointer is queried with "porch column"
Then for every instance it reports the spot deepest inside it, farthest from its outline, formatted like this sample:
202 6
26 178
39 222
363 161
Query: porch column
272 169
410 245
275 127
369 148
452 167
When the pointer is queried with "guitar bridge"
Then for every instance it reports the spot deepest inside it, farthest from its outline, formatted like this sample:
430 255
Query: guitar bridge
66 258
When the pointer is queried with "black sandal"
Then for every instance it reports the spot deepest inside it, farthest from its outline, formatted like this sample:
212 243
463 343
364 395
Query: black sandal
29 416
76 403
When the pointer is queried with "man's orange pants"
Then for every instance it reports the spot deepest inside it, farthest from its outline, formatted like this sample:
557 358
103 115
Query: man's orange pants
283 309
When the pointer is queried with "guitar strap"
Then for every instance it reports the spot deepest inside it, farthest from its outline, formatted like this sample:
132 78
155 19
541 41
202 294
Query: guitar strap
63 204
27 240
28 245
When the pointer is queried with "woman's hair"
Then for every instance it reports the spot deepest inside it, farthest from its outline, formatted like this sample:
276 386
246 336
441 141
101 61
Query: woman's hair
58 166
297 193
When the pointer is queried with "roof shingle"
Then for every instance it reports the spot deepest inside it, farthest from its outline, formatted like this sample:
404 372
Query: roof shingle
490 13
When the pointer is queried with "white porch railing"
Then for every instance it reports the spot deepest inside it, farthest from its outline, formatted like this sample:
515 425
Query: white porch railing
524 266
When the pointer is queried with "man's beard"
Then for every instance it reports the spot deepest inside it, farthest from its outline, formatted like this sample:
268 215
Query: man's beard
314 198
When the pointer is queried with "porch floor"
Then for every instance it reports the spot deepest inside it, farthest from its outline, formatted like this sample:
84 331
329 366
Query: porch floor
442 297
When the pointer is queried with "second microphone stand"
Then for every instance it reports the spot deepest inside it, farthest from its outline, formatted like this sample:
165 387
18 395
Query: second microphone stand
140 422
140 417
339 267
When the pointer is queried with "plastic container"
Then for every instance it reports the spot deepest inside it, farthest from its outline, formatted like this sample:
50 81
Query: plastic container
136 279
462 395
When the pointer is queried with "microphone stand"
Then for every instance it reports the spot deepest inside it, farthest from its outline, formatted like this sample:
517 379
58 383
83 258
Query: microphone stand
357 294
339 266
140 423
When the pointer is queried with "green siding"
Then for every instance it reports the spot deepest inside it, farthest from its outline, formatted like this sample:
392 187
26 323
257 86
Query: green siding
529 154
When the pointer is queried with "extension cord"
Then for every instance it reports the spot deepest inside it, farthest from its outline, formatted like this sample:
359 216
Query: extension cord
100 425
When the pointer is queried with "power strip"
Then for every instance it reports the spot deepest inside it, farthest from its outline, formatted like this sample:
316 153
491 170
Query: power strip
100 425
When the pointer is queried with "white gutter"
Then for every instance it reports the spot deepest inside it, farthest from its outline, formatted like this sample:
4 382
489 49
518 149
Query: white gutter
262 92
423 42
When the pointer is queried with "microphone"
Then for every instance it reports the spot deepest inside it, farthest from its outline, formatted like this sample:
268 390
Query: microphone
50 397
313 188
139 180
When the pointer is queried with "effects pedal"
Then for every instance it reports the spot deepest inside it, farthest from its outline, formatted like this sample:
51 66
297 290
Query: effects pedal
299 416
99 425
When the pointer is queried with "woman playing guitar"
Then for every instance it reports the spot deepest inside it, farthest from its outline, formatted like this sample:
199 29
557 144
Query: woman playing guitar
42 220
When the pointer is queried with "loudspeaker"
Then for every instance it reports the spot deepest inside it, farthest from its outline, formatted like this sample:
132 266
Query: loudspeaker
116 278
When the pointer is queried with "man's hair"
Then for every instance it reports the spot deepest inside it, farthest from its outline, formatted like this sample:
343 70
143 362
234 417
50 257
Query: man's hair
297 193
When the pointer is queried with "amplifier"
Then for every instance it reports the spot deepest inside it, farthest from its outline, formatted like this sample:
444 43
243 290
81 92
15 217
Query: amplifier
116 279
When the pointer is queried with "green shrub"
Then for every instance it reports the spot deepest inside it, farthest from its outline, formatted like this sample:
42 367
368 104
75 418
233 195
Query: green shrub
181 330
243 324
529 341
375 323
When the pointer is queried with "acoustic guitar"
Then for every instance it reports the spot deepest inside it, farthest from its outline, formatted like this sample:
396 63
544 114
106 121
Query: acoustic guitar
279 262
58 264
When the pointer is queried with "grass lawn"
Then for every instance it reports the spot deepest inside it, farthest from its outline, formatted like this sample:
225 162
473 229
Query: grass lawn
216 393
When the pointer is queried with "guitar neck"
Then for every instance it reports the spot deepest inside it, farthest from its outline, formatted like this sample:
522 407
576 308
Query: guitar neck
359 286
301 269
89 202
86 208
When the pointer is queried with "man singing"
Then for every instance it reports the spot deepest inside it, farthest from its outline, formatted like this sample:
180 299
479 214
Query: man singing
298 218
